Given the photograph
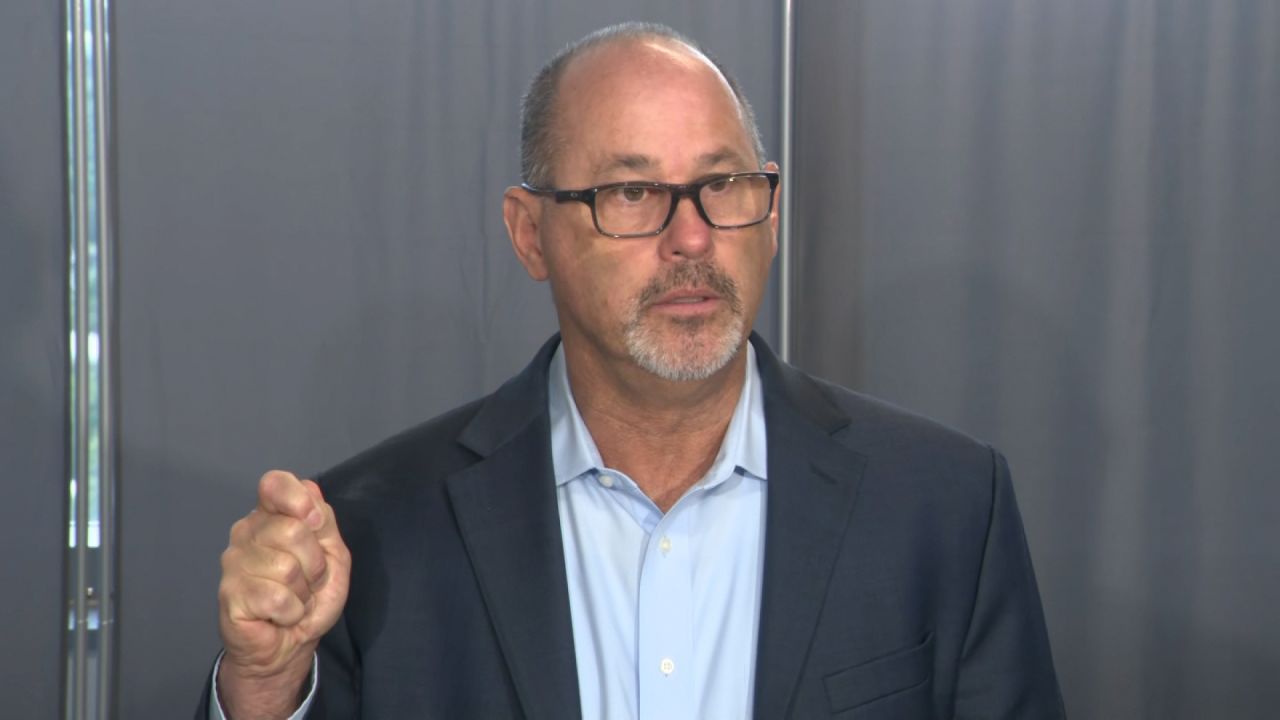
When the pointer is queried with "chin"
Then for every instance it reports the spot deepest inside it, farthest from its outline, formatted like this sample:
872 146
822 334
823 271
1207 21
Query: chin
685 351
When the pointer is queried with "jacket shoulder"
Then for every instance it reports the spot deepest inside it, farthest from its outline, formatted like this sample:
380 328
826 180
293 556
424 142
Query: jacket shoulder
913 445
423 456
423 452
872 419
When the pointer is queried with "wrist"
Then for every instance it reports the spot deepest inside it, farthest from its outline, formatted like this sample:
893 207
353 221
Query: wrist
246 695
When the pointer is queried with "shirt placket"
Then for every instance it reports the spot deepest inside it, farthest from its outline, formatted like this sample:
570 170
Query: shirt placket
664 626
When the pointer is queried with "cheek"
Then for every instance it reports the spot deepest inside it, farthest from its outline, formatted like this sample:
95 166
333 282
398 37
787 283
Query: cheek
753 270
756 259
593 280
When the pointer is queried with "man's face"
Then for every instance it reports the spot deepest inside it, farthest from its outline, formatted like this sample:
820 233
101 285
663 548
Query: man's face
678 304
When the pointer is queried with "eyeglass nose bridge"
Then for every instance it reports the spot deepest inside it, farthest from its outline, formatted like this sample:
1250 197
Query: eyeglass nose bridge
694 193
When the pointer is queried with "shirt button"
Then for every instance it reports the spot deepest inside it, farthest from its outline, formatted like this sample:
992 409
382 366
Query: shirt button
667 666
606 480
664 544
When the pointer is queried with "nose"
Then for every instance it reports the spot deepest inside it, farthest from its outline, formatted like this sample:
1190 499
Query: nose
688 235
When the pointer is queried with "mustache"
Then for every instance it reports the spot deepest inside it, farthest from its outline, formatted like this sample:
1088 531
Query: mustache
693 274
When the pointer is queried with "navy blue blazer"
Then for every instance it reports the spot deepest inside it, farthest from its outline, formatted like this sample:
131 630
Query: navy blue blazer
897 582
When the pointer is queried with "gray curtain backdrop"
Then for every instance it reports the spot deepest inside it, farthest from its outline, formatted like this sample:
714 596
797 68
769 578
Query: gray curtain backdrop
1054 225
34 366
312 257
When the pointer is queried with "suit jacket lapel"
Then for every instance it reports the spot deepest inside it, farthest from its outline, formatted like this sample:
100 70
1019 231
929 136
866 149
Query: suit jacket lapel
507 515
812 486
508 518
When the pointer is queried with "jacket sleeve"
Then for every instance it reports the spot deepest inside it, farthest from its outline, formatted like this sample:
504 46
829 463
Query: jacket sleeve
337 693
1006 667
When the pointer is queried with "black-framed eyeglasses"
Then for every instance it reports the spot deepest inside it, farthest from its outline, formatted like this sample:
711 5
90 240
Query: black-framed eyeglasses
641 209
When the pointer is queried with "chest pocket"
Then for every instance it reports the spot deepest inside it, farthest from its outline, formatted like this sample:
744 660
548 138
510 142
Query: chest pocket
902 670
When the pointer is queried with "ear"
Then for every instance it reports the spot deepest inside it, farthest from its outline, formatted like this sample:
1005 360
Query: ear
772 166
522 213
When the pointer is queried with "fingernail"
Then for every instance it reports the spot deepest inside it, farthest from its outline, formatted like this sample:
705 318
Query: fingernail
315 519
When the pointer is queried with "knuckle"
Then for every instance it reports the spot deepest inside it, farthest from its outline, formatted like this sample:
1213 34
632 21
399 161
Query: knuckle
278 531
272 598
286 568
292 532
228 590
287 607
280 597
240 530
266 595
275 478
278 481
231 560
317 568
266 485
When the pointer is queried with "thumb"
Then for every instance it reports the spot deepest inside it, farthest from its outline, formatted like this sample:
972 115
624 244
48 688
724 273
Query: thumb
321 520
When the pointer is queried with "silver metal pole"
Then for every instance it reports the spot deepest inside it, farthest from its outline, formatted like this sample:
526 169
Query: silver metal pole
91 585
788 156
80 465
106 426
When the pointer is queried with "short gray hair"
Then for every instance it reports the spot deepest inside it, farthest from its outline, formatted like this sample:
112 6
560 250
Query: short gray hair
538 141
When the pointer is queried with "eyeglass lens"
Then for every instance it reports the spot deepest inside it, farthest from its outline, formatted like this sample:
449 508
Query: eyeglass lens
727 202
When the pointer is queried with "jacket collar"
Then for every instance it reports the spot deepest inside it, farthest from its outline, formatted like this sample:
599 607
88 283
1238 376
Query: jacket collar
524 397
508 518
513 407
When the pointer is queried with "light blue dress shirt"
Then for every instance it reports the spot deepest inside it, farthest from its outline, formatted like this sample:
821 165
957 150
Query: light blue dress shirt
665 608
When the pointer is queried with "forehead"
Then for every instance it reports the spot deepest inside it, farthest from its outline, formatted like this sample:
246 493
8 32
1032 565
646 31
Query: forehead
650 104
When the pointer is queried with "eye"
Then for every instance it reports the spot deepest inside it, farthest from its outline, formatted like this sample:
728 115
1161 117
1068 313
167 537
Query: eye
718 186
633 194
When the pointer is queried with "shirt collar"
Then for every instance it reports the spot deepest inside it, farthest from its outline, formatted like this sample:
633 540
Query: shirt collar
574 452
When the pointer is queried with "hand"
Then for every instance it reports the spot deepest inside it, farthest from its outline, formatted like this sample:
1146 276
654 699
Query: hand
285 576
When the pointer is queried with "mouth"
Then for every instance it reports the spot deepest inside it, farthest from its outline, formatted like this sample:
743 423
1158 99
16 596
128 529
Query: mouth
690 293
687 302
687 297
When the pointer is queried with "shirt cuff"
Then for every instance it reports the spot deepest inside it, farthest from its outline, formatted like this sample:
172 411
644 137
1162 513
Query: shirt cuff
215 705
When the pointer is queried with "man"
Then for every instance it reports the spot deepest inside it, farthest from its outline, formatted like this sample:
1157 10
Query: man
656 519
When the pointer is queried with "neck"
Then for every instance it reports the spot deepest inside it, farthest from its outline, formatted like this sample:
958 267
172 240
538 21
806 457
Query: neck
663 434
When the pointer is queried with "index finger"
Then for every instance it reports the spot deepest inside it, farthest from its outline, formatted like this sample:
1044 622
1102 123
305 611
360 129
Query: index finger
283 493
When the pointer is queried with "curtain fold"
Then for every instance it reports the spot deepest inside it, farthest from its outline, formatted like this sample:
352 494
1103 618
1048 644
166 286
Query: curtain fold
34 359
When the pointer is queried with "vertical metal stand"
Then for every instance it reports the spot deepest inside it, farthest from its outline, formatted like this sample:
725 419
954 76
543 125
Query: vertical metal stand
105 176
788 176
90 556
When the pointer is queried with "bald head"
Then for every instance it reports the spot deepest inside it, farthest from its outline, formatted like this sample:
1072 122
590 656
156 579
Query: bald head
541 138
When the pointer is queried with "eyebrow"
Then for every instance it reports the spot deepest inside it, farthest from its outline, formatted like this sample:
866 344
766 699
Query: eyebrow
634 162
720 157
641 163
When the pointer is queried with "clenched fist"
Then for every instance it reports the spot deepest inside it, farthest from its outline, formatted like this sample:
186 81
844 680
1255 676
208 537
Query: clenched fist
285 576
